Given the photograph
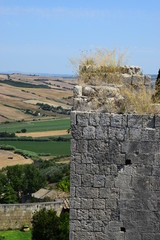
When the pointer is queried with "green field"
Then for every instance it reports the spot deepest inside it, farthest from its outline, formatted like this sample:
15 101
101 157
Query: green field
16 235
52 147
36 126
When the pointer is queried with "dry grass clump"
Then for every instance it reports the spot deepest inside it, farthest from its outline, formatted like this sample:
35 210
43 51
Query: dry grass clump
137 101
99 66
127 99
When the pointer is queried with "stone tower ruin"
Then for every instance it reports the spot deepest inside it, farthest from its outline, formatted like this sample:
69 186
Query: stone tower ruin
115 172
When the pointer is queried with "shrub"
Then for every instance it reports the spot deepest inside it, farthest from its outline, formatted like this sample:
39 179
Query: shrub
2 238
54 172
46 225
64 184
23 130
6 135
26 153
7 147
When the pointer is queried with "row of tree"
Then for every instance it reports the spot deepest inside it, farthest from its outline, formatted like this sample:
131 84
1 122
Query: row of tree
58 109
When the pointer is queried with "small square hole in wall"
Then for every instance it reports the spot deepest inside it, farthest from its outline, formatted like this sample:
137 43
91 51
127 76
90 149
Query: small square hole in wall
128 162
123 229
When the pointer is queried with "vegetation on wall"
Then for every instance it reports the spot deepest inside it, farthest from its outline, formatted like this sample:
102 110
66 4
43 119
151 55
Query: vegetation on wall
100 65
137 101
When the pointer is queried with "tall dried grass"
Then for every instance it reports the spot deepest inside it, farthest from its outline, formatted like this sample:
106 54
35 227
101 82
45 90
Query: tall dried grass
99 66
137 100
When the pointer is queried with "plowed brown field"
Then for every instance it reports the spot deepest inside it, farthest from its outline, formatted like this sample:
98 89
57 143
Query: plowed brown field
8 158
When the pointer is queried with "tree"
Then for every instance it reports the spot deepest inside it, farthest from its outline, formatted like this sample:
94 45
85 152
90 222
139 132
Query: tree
7 193
25 179
23 130
34 179
3 182
156 96
64 184
45 225
64 226
17 179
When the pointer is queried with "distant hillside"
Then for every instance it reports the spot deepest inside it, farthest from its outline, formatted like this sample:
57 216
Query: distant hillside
28 97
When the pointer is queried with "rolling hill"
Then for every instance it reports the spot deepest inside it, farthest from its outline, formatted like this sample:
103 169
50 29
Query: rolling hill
22 97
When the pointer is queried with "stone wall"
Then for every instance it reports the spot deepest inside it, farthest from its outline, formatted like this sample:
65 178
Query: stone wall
14 216
115 176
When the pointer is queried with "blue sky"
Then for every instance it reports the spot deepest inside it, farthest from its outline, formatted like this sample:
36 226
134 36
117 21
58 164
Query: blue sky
41 35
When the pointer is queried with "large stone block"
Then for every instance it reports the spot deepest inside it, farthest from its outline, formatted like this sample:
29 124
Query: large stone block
89 132
82 119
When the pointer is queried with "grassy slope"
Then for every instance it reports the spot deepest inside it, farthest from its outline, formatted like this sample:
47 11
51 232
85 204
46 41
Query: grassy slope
37 126
54 148
16 235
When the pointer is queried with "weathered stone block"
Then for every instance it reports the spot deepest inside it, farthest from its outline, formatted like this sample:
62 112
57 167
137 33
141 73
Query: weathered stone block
82 119
148 121
146 146
89 132
118 134
99 180
86 203
135 134
76 180
135 121
82 214
87 192
99 204
75 203
73 118
74 225
105 119
82 146
97 226
76 132
97 146
101 133
116 120
87 158
157 121
87 180
77 91
94 119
